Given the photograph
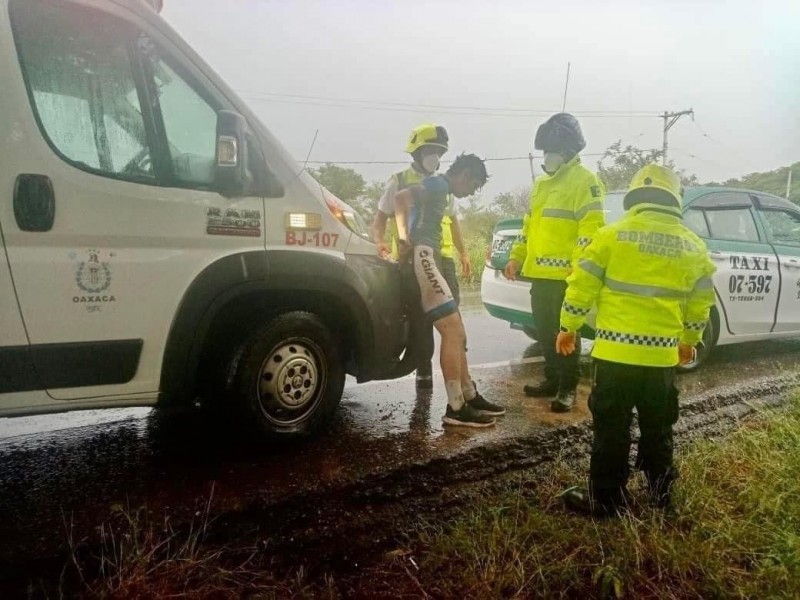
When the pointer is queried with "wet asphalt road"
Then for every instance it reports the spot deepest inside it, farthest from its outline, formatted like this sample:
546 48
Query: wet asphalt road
70 472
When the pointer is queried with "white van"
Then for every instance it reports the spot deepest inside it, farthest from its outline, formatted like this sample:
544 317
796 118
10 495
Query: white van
159 245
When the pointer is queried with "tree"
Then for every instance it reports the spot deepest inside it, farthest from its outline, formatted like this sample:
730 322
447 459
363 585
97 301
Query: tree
772 182
618 165
350 186
347 184
512 204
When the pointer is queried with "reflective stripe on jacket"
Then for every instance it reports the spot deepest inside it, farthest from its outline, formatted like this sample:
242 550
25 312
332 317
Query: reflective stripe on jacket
566 210
650 277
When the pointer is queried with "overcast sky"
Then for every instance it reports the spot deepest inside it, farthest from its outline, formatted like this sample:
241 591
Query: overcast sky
305 66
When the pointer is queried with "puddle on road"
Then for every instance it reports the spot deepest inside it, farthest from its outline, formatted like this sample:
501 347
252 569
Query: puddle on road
136 457
17 427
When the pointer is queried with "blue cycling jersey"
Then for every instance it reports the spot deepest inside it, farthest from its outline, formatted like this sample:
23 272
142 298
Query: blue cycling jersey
430 205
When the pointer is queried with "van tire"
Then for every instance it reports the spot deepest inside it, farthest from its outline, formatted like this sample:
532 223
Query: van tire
287 378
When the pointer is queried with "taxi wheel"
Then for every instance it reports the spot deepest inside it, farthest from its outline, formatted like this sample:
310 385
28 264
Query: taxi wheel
705 346
288 377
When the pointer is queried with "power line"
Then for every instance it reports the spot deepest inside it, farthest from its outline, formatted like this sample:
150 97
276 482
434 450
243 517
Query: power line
701 159
380 105
448 106
728 149
403 162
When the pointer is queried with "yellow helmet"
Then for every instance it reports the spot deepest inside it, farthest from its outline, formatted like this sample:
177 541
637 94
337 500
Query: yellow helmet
428 134
654 184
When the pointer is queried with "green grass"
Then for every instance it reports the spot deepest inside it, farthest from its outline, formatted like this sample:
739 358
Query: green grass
139 557
476 249
736 533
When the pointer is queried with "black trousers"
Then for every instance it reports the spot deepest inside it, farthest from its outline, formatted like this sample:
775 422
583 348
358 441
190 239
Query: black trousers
616 391
547 296
421 327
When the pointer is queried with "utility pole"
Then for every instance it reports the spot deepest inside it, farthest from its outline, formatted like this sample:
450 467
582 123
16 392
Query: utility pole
789 183
670 118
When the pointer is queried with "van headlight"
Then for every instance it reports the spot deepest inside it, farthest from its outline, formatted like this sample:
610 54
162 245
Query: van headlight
346 214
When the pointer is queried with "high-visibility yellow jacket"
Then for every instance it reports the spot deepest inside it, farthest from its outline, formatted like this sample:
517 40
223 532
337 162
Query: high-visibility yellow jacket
566 210
651 280
404 179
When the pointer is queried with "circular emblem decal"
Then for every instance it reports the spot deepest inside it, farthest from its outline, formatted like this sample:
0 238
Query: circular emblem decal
93 277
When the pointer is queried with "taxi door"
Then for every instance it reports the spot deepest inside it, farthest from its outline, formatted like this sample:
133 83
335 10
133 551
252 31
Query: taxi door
747 280
781 221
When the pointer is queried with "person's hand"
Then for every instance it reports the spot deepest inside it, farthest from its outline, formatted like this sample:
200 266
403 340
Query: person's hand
383 249
565 342
466 265
510 272
686 354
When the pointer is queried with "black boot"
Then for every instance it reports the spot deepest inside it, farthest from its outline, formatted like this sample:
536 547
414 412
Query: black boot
580 500
659 488
564 401
545 389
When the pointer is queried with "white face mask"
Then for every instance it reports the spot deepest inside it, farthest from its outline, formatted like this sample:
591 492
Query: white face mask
552 161
430 163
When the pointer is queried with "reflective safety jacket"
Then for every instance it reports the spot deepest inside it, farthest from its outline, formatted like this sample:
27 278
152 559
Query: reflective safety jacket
405 179
651 280
566 210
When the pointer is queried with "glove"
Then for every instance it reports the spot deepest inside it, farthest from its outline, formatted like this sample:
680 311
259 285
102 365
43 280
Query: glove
565 343
686 354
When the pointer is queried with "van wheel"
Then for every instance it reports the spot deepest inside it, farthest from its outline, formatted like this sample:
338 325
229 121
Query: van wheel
288 377
705 346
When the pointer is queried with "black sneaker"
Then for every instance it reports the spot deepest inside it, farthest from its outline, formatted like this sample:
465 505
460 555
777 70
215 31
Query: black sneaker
545 389
466 417
484 407
563 402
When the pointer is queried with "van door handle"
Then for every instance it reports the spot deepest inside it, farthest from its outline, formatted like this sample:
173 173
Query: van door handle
34 202
717 255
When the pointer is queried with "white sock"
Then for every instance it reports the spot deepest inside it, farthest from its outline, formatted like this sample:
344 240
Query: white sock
469 391
455 397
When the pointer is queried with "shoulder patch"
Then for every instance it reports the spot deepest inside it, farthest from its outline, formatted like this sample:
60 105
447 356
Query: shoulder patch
596 193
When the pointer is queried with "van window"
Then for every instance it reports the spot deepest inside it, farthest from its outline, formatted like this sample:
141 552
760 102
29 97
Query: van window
190 122
79 72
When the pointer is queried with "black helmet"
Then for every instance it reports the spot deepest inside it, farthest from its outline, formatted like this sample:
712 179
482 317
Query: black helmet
560 133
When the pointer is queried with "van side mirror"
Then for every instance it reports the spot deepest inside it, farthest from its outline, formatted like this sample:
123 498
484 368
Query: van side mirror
240 167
